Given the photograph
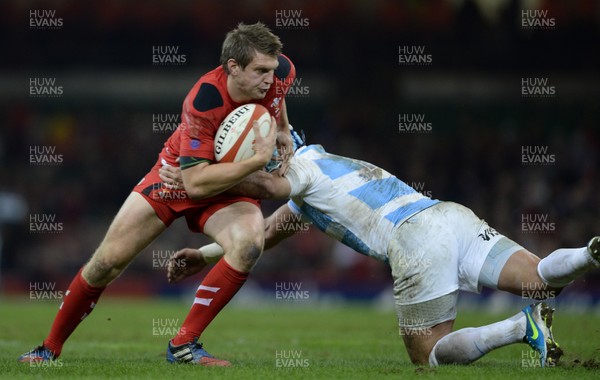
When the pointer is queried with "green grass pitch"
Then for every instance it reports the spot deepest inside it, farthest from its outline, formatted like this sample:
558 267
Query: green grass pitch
126 339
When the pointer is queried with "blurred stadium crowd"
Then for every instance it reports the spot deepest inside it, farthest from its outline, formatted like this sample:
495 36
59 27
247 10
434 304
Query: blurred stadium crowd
346 56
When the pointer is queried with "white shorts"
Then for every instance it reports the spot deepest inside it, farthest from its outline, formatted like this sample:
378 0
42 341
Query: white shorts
443 249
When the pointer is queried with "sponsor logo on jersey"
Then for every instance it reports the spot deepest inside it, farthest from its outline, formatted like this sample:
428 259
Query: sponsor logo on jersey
488 234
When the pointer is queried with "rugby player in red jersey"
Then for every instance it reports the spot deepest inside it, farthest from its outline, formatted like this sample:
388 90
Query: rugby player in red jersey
252 70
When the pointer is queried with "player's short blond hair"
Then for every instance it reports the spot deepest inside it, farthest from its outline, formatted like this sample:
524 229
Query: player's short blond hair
244 41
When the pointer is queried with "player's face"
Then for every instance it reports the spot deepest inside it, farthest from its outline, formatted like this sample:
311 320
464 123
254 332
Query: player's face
257 77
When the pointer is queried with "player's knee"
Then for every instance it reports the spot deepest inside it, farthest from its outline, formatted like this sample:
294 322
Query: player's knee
418 346
246 253
244 246
419 356
420 360
102 269
97 272
249 255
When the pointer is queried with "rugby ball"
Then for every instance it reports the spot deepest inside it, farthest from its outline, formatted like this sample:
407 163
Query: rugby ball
235 137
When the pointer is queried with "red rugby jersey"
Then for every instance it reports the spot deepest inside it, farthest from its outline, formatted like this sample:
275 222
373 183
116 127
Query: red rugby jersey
207 104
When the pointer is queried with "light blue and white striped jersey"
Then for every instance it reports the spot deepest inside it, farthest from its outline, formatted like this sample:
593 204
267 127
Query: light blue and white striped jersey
350 200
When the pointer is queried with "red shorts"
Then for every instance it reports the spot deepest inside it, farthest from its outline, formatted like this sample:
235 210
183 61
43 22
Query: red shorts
172 204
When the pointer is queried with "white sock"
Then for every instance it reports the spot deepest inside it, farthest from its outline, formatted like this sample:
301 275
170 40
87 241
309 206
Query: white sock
466 345
564 265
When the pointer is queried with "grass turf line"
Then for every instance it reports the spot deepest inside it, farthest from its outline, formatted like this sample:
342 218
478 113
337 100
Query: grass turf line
127 339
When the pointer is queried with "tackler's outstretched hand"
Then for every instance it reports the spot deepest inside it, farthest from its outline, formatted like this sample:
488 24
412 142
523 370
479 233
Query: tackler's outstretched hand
286 150
184 263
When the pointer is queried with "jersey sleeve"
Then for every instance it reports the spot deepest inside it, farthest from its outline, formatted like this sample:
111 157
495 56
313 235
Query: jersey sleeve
296 210
294 207
285 72
284 79
300 176
201 118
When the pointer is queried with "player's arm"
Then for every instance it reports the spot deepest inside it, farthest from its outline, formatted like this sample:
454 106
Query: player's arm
262 185
259 185
205 180
188 261
280 225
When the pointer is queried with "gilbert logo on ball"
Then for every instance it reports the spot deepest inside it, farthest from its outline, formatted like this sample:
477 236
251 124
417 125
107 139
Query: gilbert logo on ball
235 136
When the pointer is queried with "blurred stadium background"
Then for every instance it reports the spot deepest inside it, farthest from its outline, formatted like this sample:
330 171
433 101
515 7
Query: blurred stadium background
116 107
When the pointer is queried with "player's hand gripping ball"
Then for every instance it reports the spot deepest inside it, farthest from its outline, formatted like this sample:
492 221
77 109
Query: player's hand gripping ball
235 137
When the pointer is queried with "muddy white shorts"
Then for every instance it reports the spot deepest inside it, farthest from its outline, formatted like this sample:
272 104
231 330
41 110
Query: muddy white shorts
438 251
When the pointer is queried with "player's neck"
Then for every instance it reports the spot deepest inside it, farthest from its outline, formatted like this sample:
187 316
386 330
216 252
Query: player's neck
235 93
